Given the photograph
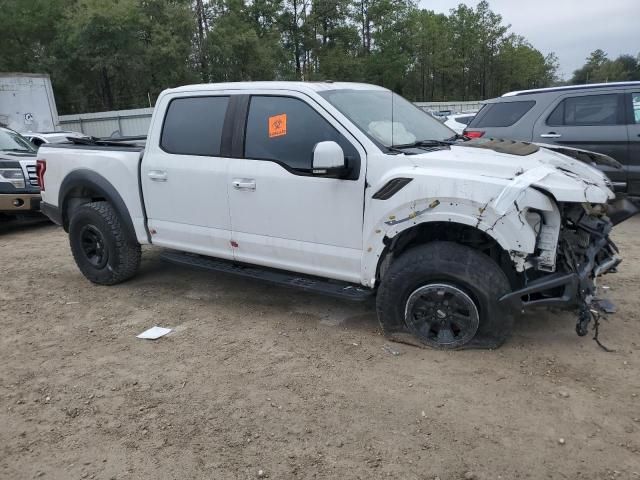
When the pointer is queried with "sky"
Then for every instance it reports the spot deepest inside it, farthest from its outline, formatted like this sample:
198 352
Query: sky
570 28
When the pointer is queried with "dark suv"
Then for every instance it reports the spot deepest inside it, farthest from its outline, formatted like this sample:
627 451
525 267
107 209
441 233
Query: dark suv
603 118
19 190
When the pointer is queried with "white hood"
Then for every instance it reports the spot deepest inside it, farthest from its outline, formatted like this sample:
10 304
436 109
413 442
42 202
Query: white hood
567 179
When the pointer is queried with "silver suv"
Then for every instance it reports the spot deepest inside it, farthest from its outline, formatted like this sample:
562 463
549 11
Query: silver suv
602 117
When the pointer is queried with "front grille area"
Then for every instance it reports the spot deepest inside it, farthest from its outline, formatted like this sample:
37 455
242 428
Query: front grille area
33 176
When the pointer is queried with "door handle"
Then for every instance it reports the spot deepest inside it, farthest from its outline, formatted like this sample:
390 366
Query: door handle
550 135
157 175
244 184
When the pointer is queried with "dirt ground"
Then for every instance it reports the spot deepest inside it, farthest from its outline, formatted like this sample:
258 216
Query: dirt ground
261 381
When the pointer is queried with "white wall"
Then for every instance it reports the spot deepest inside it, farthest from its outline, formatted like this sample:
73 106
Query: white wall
27 103
105 124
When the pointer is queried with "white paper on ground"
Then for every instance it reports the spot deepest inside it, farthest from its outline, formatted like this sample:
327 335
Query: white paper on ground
154 333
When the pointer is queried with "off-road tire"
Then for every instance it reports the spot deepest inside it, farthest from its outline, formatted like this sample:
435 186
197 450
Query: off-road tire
464 268
122 251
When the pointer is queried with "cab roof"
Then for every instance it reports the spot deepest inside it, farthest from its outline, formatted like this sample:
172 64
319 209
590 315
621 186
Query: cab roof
277 85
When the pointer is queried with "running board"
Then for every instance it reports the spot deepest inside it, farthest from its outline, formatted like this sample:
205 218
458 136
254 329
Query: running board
332 288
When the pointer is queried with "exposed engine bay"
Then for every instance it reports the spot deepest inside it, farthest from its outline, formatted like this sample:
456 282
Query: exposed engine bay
584 253
586 250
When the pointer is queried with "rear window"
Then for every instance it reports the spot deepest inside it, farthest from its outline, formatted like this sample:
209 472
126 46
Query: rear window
587 110
502 114
193 126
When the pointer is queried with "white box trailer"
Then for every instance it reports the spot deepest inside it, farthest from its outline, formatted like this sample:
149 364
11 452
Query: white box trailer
27 103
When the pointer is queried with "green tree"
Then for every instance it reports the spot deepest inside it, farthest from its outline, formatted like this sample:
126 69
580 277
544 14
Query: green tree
491 31
28 31
333 41
520 66
598 68
238 47
591 70
432 50
112 54
292 21
117 54
390 55
464 23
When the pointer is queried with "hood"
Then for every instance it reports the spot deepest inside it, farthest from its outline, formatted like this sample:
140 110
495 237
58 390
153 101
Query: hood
17 156
567 179
586 156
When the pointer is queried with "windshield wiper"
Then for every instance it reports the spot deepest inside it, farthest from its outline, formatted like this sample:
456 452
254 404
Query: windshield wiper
424 143
394 149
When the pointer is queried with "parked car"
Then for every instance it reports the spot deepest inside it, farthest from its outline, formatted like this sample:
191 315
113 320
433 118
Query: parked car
38 138
459 121
440 115
19 191
340 188
602 117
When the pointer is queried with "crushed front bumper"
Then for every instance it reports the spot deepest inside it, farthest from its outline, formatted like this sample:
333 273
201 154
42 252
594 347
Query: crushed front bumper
585 252
14 203
561 289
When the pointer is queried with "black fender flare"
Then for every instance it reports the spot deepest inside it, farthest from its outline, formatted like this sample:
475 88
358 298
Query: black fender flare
91 180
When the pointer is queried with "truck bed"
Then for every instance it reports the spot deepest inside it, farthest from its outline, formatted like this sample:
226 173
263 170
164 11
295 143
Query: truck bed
103 163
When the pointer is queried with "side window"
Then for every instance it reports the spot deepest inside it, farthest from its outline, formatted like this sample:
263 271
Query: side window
503 114
193 126
587 110
286 130
635 107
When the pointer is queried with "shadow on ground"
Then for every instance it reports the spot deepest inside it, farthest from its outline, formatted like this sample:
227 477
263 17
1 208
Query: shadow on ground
26 225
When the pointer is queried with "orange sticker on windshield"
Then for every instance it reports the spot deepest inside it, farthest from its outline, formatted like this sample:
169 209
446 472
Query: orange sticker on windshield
278 125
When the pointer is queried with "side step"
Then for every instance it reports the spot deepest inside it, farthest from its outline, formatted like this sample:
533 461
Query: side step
332 288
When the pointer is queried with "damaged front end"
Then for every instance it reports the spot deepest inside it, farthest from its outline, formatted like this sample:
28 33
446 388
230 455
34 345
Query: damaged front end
584 253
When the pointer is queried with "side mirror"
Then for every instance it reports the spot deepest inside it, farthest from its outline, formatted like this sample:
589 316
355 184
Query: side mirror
328 159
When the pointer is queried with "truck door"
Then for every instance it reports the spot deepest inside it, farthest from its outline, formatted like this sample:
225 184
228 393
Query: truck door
633 130
184 175
589 121
282 215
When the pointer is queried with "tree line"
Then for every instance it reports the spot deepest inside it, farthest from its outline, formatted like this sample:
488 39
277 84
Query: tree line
599 69
116 54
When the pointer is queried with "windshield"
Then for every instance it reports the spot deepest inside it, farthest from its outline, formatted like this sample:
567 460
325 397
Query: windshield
13 142
370 111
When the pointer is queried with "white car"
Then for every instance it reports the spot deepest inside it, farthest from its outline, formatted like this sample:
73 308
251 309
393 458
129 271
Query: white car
459 121
322 186
38 138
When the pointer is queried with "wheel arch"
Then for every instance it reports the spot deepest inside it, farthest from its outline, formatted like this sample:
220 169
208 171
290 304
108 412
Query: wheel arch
85 186
456 232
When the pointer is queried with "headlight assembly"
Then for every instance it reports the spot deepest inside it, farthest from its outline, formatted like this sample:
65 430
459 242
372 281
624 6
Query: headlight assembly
13 175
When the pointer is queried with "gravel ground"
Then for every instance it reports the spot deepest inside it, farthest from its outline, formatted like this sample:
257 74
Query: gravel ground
261 381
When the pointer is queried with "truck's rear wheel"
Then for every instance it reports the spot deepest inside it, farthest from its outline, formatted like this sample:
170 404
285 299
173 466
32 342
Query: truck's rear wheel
446 296
101 247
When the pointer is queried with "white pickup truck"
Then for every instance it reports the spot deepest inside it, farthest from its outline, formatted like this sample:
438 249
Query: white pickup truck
346 189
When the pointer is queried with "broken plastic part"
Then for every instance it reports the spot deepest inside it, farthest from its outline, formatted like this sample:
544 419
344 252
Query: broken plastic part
519 184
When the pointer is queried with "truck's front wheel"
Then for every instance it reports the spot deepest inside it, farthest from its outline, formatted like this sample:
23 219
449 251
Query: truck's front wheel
101 247
446 296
